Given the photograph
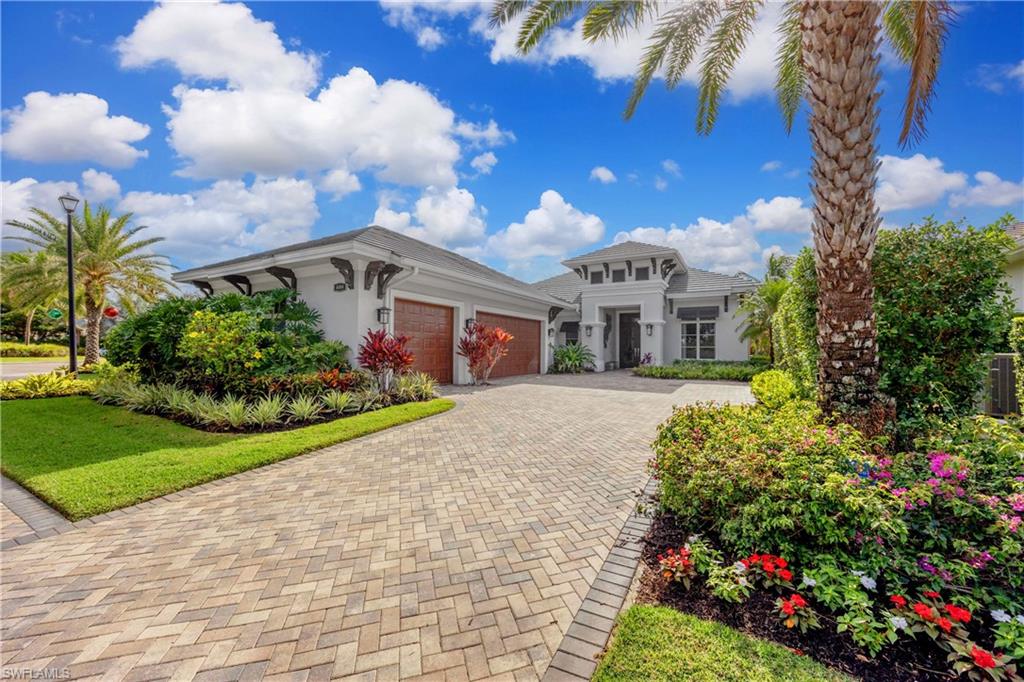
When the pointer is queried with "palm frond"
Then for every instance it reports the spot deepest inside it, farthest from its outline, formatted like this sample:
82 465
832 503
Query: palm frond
675 39
931 26
505 11
724 48
542 16
791 77
897 20
614 19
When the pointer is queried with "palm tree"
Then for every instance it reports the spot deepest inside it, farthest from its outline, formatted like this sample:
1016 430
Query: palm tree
760 306
828 54
109 262
32 280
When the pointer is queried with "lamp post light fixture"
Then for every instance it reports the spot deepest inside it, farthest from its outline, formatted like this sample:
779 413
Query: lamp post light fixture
384 315
69 203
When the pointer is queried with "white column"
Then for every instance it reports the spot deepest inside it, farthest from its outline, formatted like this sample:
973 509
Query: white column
653 343
592 336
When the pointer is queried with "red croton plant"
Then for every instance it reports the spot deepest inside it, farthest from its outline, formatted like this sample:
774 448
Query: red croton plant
384 356
483 347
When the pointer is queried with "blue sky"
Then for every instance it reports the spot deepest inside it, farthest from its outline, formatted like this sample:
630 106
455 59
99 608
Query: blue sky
232 128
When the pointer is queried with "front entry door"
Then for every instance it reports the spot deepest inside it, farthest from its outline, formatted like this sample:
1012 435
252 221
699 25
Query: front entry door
629 339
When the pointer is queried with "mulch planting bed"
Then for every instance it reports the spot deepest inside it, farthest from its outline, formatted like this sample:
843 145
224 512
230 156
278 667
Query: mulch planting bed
758 616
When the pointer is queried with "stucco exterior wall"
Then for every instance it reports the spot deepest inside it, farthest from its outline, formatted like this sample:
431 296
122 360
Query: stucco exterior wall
728 326
1015 277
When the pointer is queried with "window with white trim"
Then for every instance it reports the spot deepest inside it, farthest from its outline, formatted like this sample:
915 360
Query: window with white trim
698 340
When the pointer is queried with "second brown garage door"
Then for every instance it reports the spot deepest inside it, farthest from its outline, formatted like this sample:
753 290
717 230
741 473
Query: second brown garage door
524 351
430 329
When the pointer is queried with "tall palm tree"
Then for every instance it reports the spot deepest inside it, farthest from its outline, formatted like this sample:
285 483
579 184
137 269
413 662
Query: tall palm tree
32 280
759 307
828 54
110 262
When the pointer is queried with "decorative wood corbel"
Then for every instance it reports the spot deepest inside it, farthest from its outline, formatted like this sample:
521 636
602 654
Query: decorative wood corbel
348 273
629 268
372 269
204 287
553 313
285 276
240 282
384 277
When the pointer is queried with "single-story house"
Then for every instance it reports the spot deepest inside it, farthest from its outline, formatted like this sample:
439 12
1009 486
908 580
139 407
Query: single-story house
1015 266
623 301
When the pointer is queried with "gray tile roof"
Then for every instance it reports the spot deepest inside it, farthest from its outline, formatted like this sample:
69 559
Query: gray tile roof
1017 232
395 242
694 281
566 286
624 250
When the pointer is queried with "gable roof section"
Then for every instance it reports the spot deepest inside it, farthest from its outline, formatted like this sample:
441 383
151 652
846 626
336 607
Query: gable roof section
1017 232
624 250
382 238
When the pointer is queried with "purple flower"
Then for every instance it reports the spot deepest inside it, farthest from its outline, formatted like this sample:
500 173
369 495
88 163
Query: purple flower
926 565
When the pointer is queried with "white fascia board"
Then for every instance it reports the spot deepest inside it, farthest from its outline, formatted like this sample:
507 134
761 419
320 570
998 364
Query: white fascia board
462 278
643 255
292 259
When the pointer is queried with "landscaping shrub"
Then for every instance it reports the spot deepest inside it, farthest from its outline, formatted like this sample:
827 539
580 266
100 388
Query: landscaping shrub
702 369
572 358
384 356
150 339
223 347
52 385
942 306
10 349
483 347
773 388
1017 345
795 326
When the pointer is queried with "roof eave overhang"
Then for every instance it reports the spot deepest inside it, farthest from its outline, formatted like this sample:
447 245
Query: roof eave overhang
653 253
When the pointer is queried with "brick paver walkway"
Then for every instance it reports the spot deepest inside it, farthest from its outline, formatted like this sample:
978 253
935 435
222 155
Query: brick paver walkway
450 549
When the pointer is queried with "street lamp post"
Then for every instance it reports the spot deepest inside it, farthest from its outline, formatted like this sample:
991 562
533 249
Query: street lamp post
69 203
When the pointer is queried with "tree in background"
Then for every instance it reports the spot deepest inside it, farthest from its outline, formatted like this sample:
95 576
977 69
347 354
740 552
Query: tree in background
760 306
795 326
32 280
110 262
828 55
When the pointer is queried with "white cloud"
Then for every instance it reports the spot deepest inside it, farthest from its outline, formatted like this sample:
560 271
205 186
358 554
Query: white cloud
100 186
913 182
554 228
445 217
27 193
773 250
484 163
479 135
602 174
990 190
71 127
780 214
217 41
660 183
996 77
340 183
671 167
421 23
429 38
769 166
228 218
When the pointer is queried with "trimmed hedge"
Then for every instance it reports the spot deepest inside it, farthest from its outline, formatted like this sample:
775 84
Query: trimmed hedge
10 349
715 370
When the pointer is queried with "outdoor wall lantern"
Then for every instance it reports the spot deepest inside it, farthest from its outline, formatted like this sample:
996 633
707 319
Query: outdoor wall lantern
551 331
384 315
590 331
470 321
650 329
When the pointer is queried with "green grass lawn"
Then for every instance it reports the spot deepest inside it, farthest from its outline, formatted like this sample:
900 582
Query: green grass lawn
85 459
655 643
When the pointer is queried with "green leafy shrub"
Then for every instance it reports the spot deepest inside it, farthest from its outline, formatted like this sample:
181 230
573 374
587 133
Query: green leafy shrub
795 326
303 409
1017 344
337 401
52 385
225 347
150 339
702 370
770 479
773 388
267 411
236 412
572 358
415 386
10 349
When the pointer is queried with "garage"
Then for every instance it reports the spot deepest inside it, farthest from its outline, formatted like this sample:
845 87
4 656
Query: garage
430 329
524 351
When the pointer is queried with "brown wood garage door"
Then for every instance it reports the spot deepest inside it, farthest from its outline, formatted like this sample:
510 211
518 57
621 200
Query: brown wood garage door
430 329
524 351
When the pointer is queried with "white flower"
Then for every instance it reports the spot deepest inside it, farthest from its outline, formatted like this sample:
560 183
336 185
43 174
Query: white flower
1019 619
857 573
1000 616
742 581
810 582
898 622
739 568
867 582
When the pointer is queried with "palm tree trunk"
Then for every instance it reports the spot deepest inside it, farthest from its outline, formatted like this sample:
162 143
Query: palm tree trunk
28 325
840 51
93 320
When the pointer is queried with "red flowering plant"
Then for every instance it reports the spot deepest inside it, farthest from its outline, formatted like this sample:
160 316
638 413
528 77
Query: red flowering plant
977 663
677 566
483 347
945 623
384 356
768 569
795 612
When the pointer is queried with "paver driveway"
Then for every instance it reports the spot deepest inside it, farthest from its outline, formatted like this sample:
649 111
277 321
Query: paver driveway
454 548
